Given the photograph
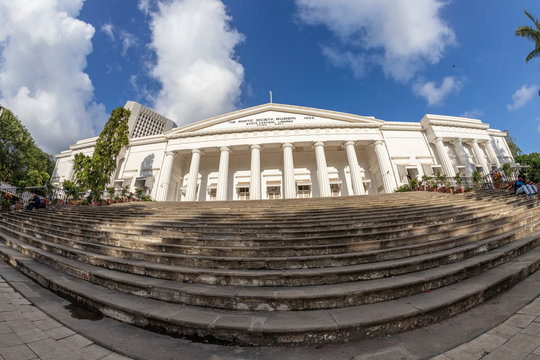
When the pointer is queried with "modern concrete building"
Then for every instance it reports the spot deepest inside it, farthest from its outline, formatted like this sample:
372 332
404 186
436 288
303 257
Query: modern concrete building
283 151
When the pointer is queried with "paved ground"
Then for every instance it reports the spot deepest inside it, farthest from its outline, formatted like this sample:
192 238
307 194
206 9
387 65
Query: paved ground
37 324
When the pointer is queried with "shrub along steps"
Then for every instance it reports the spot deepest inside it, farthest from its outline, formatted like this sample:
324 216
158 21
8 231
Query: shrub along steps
325 270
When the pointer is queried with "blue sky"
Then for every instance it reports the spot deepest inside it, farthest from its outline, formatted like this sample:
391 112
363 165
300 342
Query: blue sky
65 64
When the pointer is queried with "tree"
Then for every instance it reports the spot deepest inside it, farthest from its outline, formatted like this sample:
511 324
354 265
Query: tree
22 163
514 149
531 33
93 173
533 161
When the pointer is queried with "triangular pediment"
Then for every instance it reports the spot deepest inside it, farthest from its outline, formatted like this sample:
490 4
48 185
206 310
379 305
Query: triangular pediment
275 116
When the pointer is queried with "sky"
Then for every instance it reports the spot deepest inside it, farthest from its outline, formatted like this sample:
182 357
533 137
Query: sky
66 64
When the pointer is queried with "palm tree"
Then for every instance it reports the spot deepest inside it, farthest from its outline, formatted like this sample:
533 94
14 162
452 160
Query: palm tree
532 34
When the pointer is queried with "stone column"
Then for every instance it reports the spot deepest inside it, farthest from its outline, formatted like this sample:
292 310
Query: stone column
165 176
463 157
322 170
289 184
69 175
255 181
223 174
479 155
493 156
193 176
356 176
446 163
385 167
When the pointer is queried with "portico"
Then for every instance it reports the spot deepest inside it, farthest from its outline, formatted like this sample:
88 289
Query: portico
275 151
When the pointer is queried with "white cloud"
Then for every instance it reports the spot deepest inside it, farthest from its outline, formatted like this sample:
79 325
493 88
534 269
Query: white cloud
434 94
195 64
473 114
405 34
108 29
522 96
43 50
127 39
357 63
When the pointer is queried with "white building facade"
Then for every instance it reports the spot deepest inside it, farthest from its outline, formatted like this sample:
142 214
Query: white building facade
275 151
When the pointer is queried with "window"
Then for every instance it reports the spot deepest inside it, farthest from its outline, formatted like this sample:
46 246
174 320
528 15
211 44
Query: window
335 189
304 191
274 192
243 193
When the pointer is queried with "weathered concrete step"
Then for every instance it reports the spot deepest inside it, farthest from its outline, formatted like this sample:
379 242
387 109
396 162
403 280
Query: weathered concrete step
282 277
318 257
285 326
99 246
449 267
375 232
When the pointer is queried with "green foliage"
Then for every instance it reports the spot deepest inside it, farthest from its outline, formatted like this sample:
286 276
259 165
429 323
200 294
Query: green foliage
532 160
93 173
413 183
514 149
459 179
111 191
22 163
476 178
72 190
532 34
507 169
138 193
404 188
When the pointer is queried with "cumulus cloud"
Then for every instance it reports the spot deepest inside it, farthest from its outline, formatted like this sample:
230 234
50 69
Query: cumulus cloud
522 96
195 63
405 34
43 49
433 93
473 114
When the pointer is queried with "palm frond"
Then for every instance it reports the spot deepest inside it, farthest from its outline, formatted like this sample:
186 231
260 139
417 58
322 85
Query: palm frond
533 54
528 33
533 19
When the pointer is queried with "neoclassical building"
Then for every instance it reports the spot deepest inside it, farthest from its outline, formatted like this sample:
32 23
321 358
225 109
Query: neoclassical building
274 151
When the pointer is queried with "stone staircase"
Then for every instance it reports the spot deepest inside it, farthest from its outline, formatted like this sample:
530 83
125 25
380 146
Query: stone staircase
283 271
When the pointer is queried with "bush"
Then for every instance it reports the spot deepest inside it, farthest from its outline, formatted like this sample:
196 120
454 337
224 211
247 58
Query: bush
404 188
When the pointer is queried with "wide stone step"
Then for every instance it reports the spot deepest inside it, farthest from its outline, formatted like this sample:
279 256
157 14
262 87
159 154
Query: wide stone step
443 268
314 326
230 276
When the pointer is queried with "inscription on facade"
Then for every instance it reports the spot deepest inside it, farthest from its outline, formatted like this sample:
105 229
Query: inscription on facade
270 121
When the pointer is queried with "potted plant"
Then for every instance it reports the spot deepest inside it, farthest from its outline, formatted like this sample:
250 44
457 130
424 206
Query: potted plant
477 179
111 191
459 181
413 183
497 180
426 179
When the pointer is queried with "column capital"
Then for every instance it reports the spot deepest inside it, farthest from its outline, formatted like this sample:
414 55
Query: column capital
224 148
349 143
255 146
457 141
286 145
474 141
377 142
437 139
169 153
196 151
318 143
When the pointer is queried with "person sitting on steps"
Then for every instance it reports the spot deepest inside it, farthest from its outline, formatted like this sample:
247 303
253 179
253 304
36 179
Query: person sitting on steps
36 203
521 186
